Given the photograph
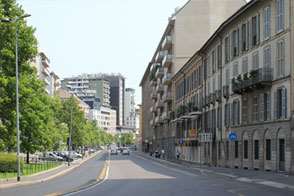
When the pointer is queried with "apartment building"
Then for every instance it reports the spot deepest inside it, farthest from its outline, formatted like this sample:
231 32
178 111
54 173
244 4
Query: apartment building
65 95
242 100
50 79
129 109
91 88
105 118
187 30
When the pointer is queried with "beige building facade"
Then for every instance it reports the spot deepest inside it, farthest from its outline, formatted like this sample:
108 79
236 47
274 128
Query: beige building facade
242 100
185 33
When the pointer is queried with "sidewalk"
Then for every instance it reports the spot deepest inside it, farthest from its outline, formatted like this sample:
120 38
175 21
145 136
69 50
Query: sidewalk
276 180
45 175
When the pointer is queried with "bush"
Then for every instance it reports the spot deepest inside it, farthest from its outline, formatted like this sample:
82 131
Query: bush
8 162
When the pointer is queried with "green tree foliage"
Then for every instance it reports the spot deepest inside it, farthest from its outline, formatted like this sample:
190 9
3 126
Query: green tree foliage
45 122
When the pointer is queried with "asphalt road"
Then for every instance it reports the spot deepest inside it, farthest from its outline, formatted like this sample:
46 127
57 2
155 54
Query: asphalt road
135 175
80 176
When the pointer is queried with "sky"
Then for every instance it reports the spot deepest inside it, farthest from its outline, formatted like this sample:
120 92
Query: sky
92 36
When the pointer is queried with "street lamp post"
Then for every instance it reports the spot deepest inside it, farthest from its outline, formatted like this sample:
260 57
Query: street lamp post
15 21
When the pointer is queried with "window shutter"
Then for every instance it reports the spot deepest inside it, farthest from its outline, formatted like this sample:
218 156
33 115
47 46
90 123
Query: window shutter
249 35
269 106
258 28
261 107
238 119
275 105
284 103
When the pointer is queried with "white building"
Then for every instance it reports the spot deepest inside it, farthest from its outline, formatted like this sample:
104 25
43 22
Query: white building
50 79
105 118
129 109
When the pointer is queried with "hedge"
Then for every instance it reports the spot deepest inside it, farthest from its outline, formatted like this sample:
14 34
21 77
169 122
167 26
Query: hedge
8 162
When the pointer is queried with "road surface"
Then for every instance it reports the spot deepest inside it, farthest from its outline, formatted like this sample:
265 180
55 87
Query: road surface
135 175
80 176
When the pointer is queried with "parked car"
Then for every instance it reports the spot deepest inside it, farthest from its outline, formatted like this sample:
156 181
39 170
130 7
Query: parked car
125 151
113 152
53 156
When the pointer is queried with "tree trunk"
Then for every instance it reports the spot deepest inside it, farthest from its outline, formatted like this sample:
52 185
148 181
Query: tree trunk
28 158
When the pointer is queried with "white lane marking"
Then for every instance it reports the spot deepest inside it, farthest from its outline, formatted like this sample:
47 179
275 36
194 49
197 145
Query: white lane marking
164 166
94 185
243 179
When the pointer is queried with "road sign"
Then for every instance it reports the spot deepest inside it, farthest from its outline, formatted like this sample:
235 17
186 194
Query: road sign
232 136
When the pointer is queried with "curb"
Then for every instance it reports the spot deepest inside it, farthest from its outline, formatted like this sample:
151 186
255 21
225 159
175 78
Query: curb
273 184
26 183
103 174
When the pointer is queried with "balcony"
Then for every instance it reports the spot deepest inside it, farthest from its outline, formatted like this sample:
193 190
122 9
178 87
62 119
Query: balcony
226 92
45 71
167 97
167 79
167 42
159 88
159 73
165 116
159 104
152 122
160 55
256 79
167 60
218 95
154 95
152 83
153 109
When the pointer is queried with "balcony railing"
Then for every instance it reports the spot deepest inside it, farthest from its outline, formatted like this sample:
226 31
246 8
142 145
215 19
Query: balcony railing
211 98
160 55
154 95
167 79
218 95
256 79
167 42
159 88
167 97
159 104
159 72
226 92
152 109
167 60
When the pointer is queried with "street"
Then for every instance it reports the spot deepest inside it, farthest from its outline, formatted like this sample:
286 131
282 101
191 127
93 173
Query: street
80 176
136 175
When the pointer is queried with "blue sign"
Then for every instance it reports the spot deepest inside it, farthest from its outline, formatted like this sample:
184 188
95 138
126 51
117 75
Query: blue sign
181 141
232 136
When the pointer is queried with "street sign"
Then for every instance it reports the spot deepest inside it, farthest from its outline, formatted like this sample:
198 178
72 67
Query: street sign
232 136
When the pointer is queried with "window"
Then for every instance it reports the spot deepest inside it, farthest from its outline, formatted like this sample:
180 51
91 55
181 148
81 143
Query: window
244 110
235 43
245 149
227 150
281 103
280 58
267 57
256 149
255 30
227 114
213 61
268 156
244 37
236 112
235 69
267 22
227 49
255 60
236 149
265 106
245 65
280 15
219 56
227 76
219 117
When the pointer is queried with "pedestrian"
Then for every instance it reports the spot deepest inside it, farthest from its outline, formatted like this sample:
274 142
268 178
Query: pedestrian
178 155
162 153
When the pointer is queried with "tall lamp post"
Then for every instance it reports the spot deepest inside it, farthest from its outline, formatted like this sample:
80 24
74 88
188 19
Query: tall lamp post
15 21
